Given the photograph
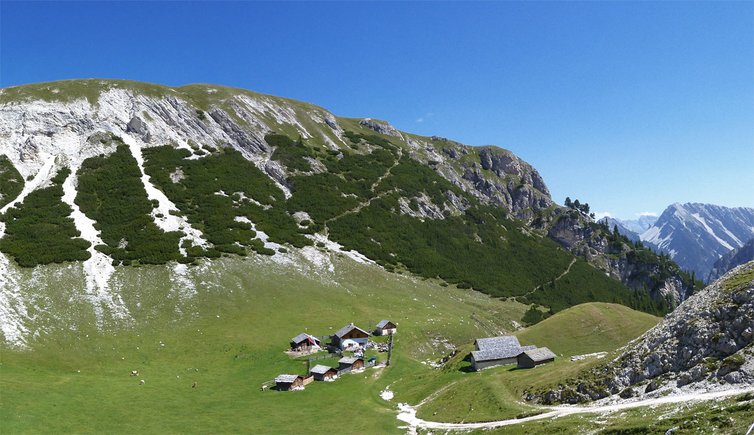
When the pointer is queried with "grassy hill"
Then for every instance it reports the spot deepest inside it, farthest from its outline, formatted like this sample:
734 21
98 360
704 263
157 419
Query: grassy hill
588 328
495 393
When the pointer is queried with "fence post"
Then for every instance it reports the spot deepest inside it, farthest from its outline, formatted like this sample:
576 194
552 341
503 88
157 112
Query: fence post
389 350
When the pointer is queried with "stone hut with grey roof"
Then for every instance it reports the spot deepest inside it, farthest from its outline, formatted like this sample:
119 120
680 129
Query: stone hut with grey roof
496 351
534 357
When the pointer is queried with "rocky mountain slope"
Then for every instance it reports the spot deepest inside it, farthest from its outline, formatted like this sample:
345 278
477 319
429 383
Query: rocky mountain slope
696 235
102 174
707 339
732 259
626 260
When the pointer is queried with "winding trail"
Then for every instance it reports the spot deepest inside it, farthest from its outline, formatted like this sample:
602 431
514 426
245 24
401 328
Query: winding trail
568 269
368 202
407 413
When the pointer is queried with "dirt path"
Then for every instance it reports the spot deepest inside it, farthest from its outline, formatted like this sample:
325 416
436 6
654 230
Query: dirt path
407 412
368 202
568 269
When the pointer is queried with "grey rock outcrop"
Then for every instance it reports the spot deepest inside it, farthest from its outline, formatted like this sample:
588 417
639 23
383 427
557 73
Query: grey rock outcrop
707 339
136 125
382 127
576 232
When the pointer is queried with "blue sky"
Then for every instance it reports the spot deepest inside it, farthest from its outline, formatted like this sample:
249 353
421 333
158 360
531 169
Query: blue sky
629 106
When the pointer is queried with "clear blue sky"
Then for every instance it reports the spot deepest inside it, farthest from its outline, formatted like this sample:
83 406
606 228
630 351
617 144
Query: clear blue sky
629 106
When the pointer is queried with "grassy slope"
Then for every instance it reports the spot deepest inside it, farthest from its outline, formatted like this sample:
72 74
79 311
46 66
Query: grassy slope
229 339
492 394
587 328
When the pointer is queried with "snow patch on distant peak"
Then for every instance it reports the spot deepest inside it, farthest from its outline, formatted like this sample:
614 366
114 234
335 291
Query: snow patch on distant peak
98 269
711 232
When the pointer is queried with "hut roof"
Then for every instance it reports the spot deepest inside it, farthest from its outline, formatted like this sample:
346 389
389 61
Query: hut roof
321 369
286 379
383 323
540 354
303 337
493 343
349 359
348 328
499 353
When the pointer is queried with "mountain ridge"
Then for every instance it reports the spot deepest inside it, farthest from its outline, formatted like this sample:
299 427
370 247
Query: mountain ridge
311 181
695 235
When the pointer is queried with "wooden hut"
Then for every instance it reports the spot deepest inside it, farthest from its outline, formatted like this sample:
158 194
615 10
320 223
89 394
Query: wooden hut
534 357
289 382
350 363
352 333
324 373
304 342
385 327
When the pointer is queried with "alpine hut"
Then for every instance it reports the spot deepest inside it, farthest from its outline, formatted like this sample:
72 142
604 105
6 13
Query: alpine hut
350 363
346 336
304 342
385 327
324 373
496 351
289 382
534 357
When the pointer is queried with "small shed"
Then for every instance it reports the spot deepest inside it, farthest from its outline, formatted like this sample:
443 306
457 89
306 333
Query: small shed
289 382
350 332
385 327
324 373
349 363
304 342
535 357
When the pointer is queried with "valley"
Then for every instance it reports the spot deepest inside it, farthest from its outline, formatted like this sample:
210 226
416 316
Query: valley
188 233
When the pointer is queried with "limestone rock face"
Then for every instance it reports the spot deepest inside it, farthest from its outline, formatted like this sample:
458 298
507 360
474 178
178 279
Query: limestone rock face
710 333
382 127
577 233
707 340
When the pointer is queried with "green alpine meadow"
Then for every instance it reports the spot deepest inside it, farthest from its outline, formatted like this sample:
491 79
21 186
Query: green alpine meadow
179 259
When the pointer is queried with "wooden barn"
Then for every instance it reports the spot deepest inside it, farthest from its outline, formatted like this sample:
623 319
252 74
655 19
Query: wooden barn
385 327
289 382
350 363
304 342
496 351
324 373
348 335
534 357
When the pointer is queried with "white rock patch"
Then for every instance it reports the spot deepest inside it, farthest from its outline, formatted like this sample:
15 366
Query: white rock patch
386 394
98 269
162 213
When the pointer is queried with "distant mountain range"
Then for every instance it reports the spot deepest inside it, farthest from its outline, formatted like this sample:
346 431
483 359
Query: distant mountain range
732 259
694 235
